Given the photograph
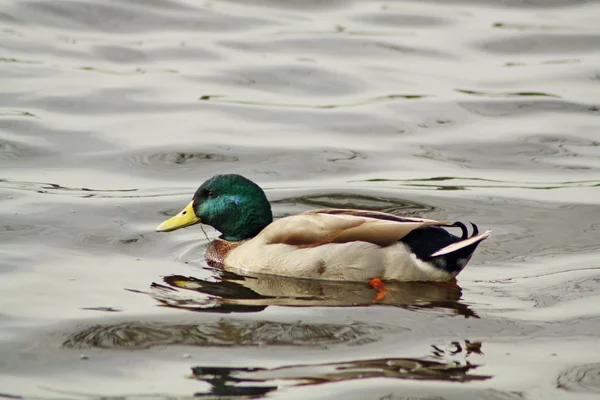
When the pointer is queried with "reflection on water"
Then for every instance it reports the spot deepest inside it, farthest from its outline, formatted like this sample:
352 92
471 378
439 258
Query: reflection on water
255 381
581 378
379 99
355 201
54 188
471 183
176 161
143 335
515 94
235 293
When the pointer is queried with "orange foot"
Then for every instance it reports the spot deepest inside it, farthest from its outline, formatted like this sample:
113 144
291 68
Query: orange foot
449 284
378 285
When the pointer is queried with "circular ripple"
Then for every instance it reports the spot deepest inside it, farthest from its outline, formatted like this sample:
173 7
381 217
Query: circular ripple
188 158
178 160
582 378
26 230
111 240
13 150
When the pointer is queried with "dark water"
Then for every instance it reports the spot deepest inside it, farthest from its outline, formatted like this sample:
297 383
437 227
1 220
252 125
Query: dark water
112 112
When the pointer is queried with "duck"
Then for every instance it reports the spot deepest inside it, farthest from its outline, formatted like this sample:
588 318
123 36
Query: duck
322 244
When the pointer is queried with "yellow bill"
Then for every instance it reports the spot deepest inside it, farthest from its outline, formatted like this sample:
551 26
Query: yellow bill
186 217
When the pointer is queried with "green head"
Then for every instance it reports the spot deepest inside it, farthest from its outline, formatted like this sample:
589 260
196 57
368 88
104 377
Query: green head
232 204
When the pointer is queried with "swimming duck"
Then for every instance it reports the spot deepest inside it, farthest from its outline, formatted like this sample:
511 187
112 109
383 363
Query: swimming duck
324 244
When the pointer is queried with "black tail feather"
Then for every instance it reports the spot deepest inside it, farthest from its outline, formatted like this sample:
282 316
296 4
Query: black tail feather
475 229
463 228
465 231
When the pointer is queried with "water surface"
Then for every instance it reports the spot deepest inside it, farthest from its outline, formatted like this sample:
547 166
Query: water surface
113 112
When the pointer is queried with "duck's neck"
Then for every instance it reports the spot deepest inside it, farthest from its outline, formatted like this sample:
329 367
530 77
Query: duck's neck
245 231
244 222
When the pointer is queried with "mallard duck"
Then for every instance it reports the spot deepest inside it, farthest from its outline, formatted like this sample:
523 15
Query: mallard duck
326 244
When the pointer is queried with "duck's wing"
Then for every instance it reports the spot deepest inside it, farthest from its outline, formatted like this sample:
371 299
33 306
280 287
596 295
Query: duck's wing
373 214
318 227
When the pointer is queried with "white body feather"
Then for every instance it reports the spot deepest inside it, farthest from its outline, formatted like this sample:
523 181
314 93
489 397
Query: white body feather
353 261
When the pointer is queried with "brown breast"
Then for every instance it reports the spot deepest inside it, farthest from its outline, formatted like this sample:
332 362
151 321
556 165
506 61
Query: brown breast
218 250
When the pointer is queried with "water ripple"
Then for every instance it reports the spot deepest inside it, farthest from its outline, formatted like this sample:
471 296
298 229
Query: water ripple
133 17
580 379
114 111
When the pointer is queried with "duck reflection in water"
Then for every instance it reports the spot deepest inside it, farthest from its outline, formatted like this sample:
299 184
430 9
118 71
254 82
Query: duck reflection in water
257 382
230 292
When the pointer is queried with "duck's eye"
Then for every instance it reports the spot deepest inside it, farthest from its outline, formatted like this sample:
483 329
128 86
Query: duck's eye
210 194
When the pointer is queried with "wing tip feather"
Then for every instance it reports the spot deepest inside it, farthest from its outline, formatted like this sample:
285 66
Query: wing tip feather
463 243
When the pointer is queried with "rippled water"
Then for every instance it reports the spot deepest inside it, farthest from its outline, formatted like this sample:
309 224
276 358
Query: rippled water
112 112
